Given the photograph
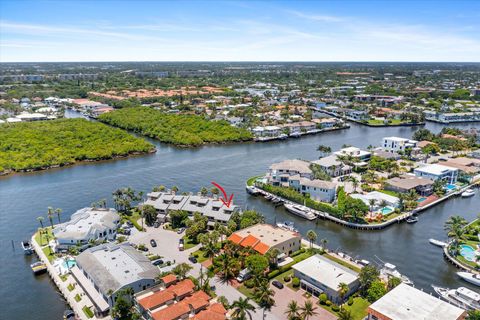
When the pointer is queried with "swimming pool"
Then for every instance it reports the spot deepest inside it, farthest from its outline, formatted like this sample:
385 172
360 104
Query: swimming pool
421 199
467 252
70 263
450 187
386 210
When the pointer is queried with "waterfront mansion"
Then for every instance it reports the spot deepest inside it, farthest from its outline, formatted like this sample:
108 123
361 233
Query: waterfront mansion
298 175
86 225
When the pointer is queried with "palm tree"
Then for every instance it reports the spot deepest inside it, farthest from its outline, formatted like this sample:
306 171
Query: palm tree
264 296
383 203
354 182
343 289
308 310
241 309
293 311
40 219
345 314
371 202
50 214
204 191
58 211
312 237
175 189
455 227
226 267
214 190
324 243
324 149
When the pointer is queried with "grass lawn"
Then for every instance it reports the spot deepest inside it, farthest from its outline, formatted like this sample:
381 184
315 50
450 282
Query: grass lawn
201 258
376 122
78 298
133 219
251 180
390 193
247 292
187 243
341 262
358 308
88 312
43 238
288 273
49 253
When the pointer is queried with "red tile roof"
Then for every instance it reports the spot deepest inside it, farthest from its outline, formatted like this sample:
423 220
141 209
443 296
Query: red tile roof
235 238
169 279
216 311
157 299
249 241
198 300
261 248
182 288
172 312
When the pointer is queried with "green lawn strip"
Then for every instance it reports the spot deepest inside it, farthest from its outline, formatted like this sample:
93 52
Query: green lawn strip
390 193
42 239
200 257
70 287
245 291
133 219
252 180
188 243
49 253
342 262
88 312
358 308
78 298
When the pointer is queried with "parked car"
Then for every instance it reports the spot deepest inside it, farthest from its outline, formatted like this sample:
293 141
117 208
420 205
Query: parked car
277 284
153 243
157 262
180 246
181 241
244 275
156 225
179 231
142 247
192 259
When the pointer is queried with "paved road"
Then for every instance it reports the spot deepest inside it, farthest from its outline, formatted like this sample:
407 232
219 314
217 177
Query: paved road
167 247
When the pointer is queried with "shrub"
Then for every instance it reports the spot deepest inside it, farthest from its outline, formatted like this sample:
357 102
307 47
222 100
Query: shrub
323 298
249 284
286 279
335 308
295 282
350 301
328 303
273 274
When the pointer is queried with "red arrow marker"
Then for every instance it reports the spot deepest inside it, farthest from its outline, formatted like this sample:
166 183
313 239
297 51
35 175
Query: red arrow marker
226 200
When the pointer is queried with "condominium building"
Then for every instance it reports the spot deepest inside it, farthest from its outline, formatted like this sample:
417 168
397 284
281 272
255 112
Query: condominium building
396 144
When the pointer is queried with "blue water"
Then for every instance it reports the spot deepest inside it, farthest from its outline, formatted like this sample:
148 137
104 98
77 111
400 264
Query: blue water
421 199
69 264
467 252
450 187
386 210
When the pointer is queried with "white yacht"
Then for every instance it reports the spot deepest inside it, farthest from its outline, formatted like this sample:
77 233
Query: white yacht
470 277
252 190
300 211
437 242
390 270
468 193
461 297
288 225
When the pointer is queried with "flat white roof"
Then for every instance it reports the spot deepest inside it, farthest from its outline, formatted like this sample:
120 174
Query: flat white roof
326 271
407 303
436 169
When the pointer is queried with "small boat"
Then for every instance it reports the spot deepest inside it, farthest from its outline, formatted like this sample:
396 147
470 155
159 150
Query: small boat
390 270
289 225
461 297
269 197
437 242
470 277
68 315
27 247
468 193
276 200
38 267
300 211
252 190
412 220
295 135
282 136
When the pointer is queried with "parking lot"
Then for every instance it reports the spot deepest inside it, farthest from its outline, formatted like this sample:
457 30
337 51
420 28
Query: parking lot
167 247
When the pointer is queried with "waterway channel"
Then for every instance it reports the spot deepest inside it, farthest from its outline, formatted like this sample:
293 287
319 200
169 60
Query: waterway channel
24 197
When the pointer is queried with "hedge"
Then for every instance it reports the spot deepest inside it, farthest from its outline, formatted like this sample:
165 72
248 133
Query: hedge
296 282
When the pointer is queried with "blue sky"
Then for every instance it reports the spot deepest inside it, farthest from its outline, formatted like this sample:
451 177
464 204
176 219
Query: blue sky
239 31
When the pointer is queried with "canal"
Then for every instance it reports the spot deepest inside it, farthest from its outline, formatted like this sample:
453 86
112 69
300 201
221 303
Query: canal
24 197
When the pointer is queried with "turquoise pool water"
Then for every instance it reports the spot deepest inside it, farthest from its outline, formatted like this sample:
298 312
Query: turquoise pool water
69 264
450 187
467 252
386 210
421 199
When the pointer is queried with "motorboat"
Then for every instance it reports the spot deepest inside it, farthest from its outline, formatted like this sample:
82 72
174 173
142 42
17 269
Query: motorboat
468 193
295 135
411 220
283 136
38 267
252 190
390 270
470 277
289 225
276 200
269 197
437 242
300 211
27 247
461 297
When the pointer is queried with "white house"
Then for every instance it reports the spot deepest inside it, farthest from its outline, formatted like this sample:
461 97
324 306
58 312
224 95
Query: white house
378 198
332 166
317 189
396 144
436 171
354 152
85 225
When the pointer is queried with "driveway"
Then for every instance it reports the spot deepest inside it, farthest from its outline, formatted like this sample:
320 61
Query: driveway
167 247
